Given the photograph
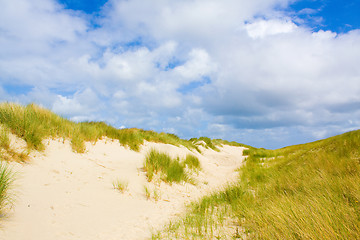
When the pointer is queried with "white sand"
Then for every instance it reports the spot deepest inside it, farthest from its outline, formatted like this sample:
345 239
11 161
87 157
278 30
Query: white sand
64 195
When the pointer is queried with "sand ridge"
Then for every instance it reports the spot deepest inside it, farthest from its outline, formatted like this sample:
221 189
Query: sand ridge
64 195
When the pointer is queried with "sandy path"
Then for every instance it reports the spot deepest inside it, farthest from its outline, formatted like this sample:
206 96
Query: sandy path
64 195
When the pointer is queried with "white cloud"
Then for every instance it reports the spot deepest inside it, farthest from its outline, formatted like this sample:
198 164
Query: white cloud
67 106
44 21
264 72
263 28
81 106
197 66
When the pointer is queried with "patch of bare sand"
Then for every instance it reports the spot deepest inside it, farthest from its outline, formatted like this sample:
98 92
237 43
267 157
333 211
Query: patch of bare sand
64 195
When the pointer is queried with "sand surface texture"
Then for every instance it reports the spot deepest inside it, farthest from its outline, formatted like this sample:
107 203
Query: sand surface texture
64 195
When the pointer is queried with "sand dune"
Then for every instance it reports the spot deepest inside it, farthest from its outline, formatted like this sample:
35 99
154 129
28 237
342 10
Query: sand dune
65 195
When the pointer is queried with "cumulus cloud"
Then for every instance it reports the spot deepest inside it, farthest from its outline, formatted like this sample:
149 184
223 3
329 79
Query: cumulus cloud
239 70
263 28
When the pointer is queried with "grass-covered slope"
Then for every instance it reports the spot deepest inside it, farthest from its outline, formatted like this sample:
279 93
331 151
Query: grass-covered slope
309 191
33 124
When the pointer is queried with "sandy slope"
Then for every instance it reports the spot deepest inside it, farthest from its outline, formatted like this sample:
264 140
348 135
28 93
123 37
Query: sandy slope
64 195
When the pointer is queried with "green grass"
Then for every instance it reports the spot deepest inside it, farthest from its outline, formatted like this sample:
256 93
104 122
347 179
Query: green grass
309 191
220 142
4 139
192 162
6 151
6 180
120 185
212 144
34 124
215 143
170 169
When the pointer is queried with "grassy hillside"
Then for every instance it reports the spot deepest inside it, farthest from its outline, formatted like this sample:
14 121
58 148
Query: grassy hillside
309 191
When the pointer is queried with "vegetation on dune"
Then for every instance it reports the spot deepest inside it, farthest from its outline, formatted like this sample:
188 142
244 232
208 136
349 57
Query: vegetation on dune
308 191
220 142
6 151
215 143
33 124
6 180
171 170
192 162
208 143
120 185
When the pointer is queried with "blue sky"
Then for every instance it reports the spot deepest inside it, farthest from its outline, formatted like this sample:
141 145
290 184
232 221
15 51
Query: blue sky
334 15
89 6
266 73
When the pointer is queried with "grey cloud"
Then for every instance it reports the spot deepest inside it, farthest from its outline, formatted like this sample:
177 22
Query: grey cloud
348 107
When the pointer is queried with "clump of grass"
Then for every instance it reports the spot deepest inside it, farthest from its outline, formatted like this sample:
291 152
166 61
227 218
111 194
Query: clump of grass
175 172
147 193
155 194
33 123
156 162
209 143
171 169
308 191
78 143
120 185
6 180
4 138
6 151
192 162
219 142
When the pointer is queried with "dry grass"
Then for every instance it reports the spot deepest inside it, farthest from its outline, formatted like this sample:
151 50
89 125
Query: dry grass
308 191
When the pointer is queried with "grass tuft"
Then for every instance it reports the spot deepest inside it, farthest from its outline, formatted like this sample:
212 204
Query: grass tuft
147 193
4 139
172 170
6 151
175 172
120 185
208 143
192 162
6 180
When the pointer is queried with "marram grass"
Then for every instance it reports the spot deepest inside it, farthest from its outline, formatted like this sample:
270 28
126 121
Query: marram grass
34 124
192 162
120 185
309 191
6 150
171 170
6 180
